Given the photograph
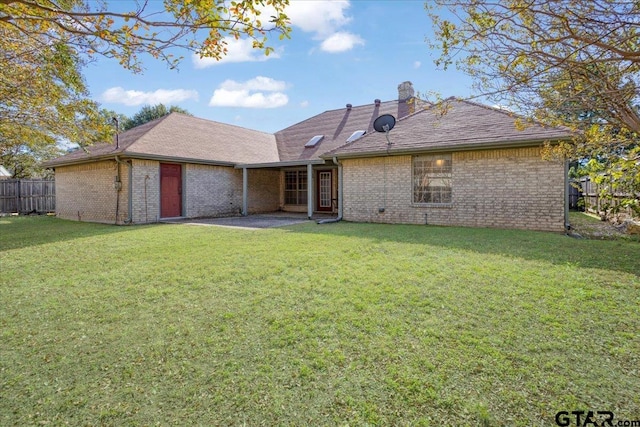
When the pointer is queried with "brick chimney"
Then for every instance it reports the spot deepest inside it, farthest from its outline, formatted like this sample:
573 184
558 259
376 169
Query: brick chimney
406 102
405 91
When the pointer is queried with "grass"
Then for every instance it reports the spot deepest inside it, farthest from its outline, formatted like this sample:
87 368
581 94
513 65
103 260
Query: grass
357 324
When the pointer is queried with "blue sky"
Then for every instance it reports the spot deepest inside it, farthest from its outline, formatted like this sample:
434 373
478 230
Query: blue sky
340 52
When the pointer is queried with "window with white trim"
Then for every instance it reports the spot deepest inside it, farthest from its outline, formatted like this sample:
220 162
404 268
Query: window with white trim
295 187
432 178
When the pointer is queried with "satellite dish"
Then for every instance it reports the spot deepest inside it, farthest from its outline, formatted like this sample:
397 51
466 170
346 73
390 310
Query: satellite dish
384 123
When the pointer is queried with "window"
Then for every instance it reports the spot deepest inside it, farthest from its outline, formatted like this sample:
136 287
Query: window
432 179
357 134
314 141
295 187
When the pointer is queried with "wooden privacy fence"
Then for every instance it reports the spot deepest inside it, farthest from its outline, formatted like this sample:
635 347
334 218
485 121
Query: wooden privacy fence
27 196
575 194
588 193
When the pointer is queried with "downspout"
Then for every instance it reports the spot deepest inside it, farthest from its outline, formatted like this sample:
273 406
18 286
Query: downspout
339 218
119 183
118 186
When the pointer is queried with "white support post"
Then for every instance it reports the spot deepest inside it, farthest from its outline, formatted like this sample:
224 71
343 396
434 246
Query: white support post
340 192
245 190
310 190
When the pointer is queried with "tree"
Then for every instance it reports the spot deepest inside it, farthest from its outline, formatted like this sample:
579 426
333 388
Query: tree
44 44
43 100
562 62
93 28
609 152
110 115
148 113
25 162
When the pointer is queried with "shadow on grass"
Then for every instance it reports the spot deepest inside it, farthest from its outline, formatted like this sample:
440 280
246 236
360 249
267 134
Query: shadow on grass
24 231
556 248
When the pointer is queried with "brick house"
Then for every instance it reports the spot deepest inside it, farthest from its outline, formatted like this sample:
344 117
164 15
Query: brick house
467 167
460 163
175 166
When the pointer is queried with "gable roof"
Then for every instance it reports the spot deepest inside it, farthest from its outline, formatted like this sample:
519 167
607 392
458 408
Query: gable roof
460 125
464 125
336 126
179 137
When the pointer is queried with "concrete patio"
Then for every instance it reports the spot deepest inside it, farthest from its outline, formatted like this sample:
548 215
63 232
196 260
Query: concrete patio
257 221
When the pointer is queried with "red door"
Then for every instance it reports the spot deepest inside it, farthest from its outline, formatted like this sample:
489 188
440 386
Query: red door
170 190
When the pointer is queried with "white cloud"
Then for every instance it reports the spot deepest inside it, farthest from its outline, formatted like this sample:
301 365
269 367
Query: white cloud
118 95
326 20
242 98
250 94
417 64
240 50
341 42
323 18
258 83
304 104
320 17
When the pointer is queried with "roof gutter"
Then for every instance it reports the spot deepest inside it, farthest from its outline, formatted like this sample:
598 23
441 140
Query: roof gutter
54 164
279 164
173 159
140 156
439 148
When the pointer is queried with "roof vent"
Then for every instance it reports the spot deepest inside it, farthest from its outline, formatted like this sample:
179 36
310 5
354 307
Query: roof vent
376 101
349 107
314 141
357 134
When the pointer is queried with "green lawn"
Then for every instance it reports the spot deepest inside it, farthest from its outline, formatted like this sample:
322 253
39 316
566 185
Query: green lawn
335 324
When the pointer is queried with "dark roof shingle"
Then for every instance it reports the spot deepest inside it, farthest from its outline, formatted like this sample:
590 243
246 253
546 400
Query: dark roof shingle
464 125
184 137
459 125
336 126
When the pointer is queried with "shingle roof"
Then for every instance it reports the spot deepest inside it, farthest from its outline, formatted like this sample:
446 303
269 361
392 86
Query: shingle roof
335 125
184 137
460 125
